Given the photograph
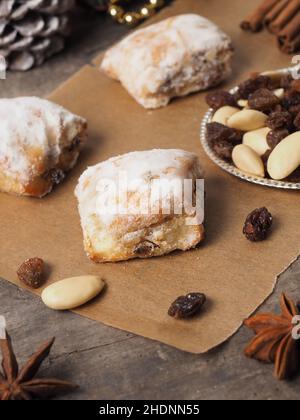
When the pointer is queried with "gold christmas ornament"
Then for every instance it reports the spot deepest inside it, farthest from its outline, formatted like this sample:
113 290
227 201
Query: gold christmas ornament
120 15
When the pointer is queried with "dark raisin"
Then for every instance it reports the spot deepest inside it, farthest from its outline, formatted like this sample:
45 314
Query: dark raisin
251 85
236 137
218 132
220 98
258 224
145 249
297 121
279 120
274 137
223 149
295 85
187 306
279 108
263 100
31 273
271 82
55 176
274 82
286 81
294 110
291 98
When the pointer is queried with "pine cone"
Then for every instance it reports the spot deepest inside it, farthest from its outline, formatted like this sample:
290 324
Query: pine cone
31 31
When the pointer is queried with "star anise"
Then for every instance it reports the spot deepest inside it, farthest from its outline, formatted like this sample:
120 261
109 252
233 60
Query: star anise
21 385
274 342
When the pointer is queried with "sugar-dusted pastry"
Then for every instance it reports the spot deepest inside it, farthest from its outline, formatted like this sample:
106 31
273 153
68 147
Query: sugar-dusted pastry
128 209
173 58
39 142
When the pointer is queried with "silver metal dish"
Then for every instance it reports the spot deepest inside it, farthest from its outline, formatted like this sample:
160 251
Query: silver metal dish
267 182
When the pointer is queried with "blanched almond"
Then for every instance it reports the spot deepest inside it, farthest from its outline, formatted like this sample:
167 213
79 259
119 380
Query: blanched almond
72 292
247 120
279 93
243 103
257 140
247 160
285 158
223 114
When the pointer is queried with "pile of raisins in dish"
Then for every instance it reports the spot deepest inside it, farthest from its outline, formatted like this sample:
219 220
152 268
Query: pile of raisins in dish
283 113
223 139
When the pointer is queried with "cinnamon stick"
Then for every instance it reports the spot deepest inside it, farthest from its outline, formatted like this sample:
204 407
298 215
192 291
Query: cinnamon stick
255 21
291 30
285 16
275 11
289 36
289 46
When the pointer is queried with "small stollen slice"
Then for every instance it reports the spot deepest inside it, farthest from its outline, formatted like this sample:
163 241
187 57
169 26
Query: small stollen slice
132 206
40 142
173 58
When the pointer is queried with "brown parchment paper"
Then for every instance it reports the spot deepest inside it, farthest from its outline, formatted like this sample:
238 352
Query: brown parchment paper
235 274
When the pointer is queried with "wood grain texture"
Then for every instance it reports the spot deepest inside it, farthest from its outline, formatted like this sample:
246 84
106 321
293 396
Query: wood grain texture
111 364
107 363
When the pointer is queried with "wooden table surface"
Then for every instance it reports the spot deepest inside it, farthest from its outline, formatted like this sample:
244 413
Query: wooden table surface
112 364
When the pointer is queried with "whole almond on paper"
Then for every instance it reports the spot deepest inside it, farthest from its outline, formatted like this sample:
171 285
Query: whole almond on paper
72 292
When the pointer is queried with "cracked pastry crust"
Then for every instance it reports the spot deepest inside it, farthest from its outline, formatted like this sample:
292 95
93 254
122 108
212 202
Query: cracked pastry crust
173 58
112 233
40 142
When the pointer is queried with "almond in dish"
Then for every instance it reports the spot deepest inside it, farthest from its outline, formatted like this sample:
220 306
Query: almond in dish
258 127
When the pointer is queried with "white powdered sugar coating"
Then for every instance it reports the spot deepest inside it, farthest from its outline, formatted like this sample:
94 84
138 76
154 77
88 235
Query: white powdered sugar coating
36 127
152 57
138 169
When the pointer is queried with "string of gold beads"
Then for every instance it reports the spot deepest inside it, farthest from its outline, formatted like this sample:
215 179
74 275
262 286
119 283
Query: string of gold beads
119 14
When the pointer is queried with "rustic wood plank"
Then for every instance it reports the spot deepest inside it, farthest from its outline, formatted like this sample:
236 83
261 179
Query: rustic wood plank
111 364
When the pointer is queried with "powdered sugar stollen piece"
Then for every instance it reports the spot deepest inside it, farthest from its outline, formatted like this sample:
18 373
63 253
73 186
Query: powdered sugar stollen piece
29 124
139 168
172 58
141 205
2 328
